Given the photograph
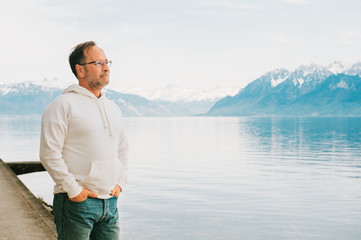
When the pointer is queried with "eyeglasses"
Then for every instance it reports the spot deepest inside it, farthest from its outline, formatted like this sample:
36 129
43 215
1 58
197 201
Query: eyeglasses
99 63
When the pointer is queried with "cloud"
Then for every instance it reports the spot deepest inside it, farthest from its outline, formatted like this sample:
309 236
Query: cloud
37 40
298 2
227 4
350 37
279 38
226 8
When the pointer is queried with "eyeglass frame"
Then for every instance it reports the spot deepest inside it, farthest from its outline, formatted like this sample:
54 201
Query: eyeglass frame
98 63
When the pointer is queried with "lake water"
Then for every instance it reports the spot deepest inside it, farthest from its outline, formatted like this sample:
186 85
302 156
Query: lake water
205 178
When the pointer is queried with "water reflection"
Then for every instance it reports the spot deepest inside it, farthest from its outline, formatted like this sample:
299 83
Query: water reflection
307 140
20 137
304 131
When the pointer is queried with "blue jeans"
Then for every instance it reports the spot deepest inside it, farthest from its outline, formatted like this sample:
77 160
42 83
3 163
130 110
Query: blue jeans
92 219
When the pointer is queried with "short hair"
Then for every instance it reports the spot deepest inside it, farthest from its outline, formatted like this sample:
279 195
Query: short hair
77 55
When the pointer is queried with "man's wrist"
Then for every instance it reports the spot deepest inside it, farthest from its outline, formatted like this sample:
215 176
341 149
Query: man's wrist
74 191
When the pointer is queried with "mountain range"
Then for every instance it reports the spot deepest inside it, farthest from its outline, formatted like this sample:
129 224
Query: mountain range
312 90
309 90
31 98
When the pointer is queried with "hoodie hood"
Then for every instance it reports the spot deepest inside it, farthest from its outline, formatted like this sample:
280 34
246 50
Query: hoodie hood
81 90
99 101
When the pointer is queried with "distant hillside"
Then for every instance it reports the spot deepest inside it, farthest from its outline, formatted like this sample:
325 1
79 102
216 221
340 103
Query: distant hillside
25 98
311 90
195 100
29 98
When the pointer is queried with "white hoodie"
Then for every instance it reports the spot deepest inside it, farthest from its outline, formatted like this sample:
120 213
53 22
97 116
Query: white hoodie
82 143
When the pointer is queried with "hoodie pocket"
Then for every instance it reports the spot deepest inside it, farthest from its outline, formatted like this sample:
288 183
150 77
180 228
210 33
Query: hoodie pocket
102 177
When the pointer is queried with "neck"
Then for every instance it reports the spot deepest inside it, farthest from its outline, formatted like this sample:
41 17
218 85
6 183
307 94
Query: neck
96 91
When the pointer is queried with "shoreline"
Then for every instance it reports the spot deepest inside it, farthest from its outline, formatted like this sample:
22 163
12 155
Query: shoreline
31 218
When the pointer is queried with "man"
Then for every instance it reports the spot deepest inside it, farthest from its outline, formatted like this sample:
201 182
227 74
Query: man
84 150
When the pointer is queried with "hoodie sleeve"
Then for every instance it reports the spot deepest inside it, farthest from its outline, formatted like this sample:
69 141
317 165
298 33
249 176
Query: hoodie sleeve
54 128
123 158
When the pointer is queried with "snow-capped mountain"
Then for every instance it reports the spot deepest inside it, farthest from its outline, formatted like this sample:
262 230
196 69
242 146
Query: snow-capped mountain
277 76
25 98
174 93
337 67
195 100
308 73
298 92
354 70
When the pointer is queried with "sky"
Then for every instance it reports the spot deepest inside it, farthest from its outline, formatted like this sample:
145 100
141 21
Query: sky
188 43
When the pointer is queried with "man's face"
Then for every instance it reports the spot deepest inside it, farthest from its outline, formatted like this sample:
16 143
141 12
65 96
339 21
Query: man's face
96 76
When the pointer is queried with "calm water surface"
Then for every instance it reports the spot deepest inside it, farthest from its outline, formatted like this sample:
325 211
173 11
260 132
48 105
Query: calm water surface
226 178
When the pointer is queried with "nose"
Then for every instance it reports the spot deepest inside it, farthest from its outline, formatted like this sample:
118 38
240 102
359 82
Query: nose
106 68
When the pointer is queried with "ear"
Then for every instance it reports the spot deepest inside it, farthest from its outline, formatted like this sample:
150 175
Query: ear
80 71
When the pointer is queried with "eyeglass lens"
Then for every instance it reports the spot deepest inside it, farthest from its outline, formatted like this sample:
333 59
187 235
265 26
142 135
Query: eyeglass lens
101 63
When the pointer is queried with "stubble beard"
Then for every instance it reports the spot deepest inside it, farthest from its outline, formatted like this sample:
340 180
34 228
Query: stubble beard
99 82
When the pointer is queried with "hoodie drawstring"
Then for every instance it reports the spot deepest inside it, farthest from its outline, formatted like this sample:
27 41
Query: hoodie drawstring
106 118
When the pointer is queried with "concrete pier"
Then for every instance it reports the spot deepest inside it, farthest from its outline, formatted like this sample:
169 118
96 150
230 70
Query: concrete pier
22 215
